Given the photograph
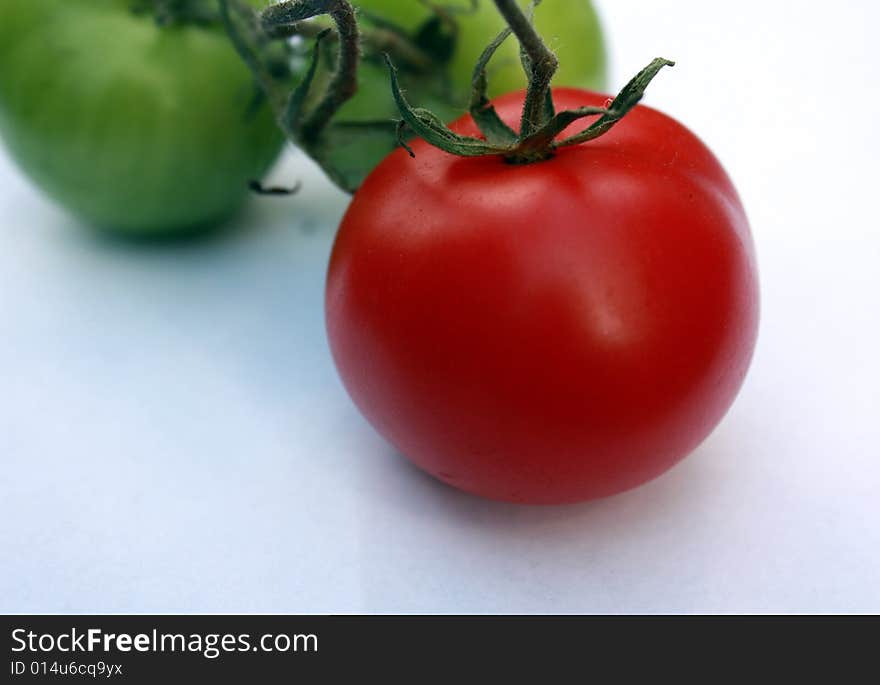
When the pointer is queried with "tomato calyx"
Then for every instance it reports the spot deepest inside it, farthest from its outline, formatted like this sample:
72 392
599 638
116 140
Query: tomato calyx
540 124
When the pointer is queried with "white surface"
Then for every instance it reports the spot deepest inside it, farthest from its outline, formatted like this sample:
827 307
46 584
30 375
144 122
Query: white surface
174 438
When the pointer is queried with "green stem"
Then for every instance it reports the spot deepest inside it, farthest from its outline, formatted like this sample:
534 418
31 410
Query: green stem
343 84
542 61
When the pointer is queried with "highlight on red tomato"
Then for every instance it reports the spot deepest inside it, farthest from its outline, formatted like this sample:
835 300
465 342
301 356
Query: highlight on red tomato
137 121
546 332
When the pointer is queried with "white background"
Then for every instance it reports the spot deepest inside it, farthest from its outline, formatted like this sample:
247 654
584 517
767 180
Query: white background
173 436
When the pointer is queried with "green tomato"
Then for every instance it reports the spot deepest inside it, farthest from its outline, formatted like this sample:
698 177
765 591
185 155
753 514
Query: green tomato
570 28
134 127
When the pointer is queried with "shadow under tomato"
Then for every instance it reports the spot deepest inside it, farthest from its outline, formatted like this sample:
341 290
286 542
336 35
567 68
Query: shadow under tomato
403 490
448 551
195 236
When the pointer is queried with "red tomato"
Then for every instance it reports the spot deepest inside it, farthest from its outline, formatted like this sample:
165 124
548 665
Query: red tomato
551 332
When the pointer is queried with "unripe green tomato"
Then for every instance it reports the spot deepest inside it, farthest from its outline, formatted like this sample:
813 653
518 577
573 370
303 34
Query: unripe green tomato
131 126
570 28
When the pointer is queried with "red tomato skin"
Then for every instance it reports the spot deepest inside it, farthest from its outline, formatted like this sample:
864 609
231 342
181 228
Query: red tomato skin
553 332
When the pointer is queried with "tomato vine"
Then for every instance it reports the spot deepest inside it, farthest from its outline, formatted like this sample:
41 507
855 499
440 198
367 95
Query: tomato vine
307 116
